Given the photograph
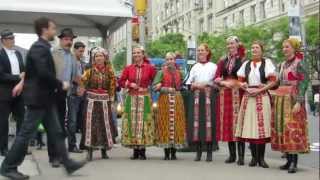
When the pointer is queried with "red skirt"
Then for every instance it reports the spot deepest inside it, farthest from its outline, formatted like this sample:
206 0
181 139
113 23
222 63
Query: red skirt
227 108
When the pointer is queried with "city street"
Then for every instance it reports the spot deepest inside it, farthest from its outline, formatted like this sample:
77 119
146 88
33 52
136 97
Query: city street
120 167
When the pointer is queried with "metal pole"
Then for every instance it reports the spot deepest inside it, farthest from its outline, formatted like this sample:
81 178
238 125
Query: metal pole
142 31
129 42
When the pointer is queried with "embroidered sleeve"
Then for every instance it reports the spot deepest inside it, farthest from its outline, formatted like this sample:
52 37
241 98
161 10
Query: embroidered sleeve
270 70
158 78
303 81
112 83
241 72
191 76
219 69
123 81
85 78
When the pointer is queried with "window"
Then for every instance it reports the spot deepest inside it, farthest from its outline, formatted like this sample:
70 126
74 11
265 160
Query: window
210 23
283 7
233 18
253 13
178 6
271 3
225 3
263 9
210 4
241 17
201 26
225 23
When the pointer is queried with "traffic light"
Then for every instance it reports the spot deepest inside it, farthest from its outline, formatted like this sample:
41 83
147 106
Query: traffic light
140 7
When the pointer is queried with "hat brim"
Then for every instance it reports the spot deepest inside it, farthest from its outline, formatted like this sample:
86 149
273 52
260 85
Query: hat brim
63 35
7 37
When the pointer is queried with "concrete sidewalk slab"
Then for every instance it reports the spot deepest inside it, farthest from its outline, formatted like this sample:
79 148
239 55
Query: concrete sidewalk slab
29 166
120 167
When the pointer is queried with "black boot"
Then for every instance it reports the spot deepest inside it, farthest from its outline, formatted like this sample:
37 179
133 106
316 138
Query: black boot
287 165
166 154
90 154
143 154
241 150
135 154
199 152
173 154
253 149
71 166
232 153
104 154
209 152
261 153
294 162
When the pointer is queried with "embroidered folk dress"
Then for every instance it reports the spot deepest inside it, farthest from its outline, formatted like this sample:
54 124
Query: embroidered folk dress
290 130
201 105
100 87
229 99
254 119
138 127
170 116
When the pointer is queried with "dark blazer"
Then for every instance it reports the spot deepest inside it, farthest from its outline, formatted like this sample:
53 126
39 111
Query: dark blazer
7 80
41 84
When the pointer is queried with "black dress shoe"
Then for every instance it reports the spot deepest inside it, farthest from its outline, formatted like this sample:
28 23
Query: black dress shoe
75 150
55 163
14 175
71 166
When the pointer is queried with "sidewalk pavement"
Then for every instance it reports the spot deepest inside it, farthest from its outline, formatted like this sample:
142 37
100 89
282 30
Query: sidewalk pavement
120 167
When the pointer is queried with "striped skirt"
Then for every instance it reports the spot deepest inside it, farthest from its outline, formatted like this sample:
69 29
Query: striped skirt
138 127
171 121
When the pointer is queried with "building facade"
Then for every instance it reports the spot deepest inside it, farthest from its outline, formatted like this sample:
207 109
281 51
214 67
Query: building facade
192 17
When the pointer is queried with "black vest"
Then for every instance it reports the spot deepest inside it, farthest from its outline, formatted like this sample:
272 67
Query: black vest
263 78
235 68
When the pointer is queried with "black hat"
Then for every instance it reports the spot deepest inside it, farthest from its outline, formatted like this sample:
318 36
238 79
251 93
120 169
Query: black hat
6 34
67 32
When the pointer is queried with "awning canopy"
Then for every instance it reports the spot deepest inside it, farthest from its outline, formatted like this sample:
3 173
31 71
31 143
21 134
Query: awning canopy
86 17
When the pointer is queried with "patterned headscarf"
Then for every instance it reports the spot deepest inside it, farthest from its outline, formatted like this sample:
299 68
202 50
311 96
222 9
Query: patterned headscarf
96 50
295 43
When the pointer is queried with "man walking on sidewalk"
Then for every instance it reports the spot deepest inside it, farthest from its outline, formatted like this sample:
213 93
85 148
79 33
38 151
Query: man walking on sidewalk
66 71
40 88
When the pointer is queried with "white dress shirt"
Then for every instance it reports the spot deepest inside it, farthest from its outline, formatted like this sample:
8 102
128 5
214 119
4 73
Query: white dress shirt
202 73
14 62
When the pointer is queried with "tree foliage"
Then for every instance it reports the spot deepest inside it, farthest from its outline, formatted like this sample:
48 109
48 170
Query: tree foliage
170 42
119 61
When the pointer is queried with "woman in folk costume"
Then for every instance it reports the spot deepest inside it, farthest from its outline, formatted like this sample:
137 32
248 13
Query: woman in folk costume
202 104
229 99
99 83
254 119
289 128
138 130
170 118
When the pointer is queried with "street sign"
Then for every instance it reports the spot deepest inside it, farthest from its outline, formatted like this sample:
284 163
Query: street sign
294 14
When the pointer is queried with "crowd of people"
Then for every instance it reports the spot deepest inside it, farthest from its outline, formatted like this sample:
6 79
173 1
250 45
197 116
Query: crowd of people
239 100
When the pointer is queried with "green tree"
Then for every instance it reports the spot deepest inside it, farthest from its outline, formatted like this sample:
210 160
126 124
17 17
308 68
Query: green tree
170 42
119 61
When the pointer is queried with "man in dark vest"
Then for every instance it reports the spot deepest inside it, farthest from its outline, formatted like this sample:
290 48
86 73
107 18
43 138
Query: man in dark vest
11 85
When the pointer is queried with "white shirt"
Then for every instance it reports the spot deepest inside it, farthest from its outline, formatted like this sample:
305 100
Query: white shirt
202 73
14 62
254 75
